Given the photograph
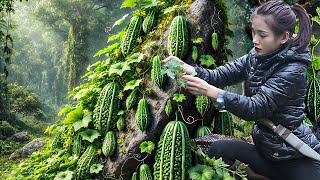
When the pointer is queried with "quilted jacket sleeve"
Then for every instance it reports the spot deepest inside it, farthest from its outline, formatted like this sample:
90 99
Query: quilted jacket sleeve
282 87
226 75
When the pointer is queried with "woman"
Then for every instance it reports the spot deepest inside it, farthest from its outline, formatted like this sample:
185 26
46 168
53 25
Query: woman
274 72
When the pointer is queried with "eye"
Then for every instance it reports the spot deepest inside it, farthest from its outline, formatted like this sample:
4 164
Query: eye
263 35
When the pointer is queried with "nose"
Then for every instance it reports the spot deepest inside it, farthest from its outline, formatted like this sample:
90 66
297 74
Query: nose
255 39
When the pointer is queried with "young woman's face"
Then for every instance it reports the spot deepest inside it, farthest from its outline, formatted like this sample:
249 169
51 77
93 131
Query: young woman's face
264 39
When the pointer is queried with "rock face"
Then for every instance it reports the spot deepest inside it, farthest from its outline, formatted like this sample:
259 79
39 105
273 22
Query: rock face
28 149
203 15
20 137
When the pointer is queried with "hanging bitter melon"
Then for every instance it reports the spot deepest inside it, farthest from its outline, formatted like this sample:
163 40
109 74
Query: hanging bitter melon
223 123
130 38
106 109
173 156
178 37
157 77
142 117
313 99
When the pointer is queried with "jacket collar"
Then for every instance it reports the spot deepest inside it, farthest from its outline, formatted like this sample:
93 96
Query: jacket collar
284 54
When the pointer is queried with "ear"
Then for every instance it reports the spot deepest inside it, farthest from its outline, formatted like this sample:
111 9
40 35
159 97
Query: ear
285 37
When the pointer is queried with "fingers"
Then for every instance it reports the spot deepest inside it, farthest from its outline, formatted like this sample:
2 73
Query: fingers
191 78
171 58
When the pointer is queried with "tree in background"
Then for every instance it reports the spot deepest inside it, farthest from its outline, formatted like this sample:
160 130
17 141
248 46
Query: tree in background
79 18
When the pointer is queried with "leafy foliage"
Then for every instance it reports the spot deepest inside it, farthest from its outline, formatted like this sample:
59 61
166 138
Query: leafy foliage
25 102
65 175
220 170
147 146
179 97
201 172
90 135
96 168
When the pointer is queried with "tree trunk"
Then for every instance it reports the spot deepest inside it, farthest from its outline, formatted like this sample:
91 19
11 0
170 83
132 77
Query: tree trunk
205 17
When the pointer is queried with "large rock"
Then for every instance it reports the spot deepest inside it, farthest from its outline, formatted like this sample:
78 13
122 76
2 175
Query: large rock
20 137
203 14
28 149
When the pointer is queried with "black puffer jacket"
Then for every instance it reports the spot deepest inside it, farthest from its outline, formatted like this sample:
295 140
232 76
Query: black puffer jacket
275 88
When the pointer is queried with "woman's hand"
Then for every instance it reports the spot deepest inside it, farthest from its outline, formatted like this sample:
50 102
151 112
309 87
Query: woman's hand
197 86
188 68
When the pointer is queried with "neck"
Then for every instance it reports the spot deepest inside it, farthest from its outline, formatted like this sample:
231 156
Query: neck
269 55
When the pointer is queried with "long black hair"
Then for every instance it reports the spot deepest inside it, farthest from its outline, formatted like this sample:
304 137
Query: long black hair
281 18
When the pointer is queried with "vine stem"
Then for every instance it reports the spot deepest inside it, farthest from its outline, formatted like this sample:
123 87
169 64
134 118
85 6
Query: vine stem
188 121
140 160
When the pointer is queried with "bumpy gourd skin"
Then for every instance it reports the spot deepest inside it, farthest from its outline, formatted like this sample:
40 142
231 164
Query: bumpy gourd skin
194 53
86 160
121 123
76 146
202 104
105 113
214 41
130 38
157 77
168 108
173 156
178 37
142 115
145 172
149 21
202 131
109 144
132 99
134 176
313 98
223 123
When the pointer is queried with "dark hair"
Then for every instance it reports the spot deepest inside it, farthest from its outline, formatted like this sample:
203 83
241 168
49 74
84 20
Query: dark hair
282 19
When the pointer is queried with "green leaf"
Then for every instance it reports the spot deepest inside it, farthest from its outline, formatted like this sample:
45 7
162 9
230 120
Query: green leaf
316 62
135 58
82 93
182 82
179 97
73 116
84 122
90 135
121 112
65 175
146 146
173 64
201 172
197 40
107 49
65 110
148 90
120 21
172 68
207 60
96 168
119 68
150 4
116 36
132 84
317 18
129 3
307 121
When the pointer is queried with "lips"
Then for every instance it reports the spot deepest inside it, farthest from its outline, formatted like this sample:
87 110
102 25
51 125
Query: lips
257 49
